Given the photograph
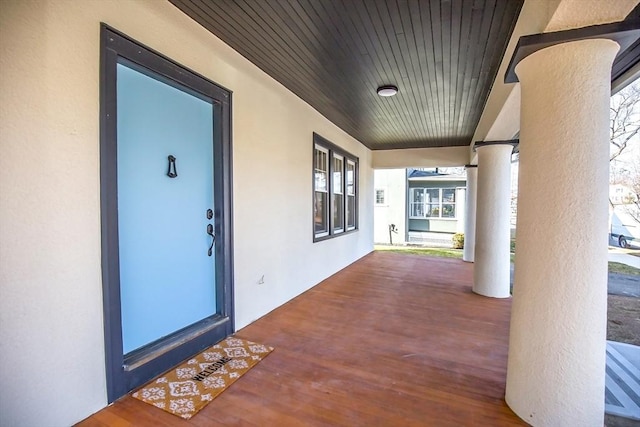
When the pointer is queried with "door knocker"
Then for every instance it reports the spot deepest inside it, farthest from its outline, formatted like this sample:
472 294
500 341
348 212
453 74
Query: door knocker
172 172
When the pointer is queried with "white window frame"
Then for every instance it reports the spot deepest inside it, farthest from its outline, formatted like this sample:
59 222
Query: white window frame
426 205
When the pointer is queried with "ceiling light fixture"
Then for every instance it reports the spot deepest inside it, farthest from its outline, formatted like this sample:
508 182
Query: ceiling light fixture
387 90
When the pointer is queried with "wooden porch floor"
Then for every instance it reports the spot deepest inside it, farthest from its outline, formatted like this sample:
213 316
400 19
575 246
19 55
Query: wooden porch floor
392 340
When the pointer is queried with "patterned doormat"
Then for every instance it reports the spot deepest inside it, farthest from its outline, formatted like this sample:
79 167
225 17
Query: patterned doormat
189 387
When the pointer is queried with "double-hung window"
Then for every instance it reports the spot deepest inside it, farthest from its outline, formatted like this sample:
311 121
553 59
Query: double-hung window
432 203
335 198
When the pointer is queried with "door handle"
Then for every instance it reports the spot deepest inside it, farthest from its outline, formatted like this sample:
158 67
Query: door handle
213 238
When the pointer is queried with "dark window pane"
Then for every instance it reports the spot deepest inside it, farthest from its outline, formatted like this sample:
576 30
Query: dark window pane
320 170
448 210
337 175
320 213
351 212
338 212
351 178
433 195
433 210
448 195
417 195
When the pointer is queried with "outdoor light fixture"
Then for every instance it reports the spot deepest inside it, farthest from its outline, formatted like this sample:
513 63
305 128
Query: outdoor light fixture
387 90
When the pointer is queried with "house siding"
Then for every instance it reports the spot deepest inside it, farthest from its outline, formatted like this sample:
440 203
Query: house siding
50 248
394 210
438 225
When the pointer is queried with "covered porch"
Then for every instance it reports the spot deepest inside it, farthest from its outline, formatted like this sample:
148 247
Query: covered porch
392 339
436 353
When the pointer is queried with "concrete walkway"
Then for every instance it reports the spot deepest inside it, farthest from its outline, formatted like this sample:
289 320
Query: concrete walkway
430 239
624 256
622 382
443 240
617 284
624 285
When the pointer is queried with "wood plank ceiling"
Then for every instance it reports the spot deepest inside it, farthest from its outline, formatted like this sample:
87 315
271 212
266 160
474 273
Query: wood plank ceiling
443 55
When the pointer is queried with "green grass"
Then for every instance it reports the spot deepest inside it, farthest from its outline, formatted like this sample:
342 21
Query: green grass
614 267
441 252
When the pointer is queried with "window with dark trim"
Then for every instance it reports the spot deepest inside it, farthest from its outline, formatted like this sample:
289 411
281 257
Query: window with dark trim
335 190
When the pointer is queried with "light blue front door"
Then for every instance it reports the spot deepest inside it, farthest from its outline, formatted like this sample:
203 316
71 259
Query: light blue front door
167 270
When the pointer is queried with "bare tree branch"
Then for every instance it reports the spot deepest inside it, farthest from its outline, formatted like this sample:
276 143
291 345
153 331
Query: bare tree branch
625 119
624 136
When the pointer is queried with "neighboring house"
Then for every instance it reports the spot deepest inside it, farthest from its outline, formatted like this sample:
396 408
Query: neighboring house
415 201
620 194
390 211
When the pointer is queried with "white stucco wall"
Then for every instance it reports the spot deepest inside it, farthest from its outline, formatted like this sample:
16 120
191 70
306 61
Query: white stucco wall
393 211
51 324
420 158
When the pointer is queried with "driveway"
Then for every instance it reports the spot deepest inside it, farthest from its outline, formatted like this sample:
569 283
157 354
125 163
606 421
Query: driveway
625 285
624 256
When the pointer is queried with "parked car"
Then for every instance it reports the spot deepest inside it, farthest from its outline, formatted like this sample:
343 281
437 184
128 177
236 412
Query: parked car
624 228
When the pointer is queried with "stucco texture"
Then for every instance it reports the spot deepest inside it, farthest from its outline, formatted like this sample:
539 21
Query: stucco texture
491 274
556 365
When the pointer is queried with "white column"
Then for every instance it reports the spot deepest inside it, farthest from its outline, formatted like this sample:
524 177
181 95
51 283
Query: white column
556 365
491 274
470 214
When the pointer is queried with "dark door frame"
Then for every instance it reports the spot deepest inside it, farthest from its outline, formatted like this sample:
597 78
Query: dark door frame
128 371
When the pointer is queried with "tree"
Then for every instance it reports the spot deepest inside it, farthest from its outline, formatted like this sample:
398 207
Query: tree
625 146
625 118
632 205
